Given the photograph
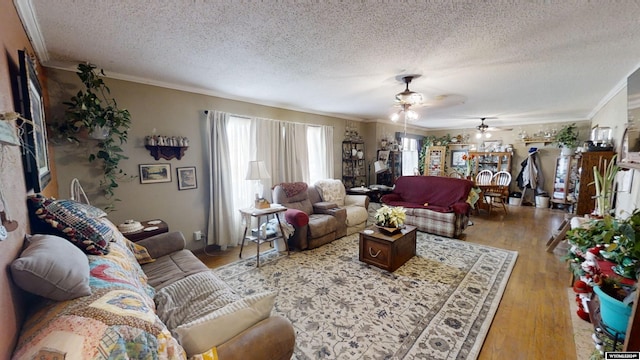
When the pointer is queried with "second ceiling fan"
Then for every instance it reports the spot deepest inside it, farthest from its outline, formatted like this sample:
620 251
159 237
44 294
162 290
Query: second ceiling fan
485 130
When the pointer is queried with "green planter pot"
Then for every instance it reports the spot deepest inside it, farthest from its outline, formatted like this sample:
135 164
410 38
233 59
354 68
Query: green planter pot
614 313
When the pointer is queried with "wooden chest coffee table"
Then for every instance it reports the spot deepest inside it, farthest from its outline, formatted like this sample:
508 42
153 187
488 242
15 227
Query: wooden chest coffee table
386 251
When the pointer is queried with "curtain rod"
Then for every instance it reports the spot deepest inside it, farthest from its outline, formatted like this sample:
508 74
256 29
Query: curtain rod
206 112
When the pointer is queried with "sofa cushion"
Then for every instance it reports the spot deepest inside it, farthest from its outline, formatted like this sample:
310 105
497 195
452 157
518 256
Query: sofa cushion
223 324
331 190
80 223
175 266
321 224
53 268
440 193
203 311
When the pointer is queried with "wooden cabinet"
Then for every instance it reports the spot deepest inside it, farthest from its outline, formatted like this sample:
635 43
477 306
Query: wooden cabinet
565 180
585 191
353 164
434 160
394 164
494 161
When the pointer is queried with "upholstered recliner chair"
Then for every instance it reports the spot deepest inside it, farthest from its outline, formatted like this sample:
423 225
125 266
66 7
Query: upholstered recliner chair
357 206
315 222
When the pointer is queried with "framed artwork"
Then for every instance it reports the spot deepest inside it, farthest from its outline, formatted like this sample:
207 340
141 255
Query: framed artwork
35 154
456 158
155 173
493 146
187 178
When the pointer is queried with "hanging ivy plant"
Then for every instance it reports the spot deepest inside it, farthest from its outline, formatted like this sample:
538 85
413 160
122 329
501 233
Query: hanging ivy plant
94 111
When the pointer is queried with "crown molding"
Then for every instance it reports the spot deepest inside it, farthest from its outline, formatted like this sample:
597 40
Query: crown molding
27 15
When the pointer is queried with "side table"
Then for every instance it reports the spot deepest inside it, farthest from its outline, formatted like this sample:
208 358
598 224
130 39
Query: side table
151 227
259 213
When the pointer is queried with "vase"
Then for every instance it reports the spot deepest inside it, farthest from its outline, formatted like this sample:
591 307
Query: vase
614 313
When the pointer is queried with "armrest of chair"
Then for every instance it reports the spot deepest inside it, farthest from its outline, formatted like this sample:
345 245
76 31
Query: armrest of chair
357 200
323 207
297 218
163 244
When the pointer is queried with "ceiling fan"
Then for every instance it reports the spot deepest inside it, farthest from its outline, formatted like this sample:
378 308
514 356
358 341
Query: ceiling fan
485 130
409 101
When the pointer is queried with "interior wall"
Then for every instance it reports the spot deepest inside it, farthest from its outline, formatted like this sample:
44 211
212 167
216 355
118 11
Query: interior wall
169 112
614 115
12 182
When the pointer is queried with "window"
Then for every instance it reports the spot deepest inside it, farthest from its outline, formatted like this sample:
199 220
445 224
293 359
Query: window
317 150
410 156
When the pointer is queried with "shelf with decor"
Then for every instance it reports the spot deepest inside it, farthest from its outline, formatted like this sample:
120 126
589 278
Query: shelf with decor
166 152
543 140
353 164
434 160
494 161
565 180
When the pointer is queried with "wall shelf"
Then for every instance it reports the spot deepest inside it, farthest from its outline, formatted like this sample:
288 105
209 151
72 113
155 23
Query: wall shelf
544 141
166 152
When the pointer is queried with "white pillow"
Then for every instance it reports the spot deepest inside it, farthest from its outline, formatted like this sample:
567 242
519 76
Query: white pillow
221 325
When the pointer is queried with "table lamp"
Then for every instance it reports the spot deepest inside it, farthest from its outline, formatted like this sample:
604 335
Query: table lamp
258 171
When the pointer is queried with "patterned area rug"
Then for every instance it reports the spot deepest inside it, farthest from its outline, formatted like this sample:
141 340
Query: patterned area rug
439 305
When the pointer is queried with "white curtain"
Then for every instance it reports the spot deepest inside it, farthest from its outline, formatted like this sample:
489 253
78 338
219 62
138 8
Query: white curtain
294 159
266 147
220 185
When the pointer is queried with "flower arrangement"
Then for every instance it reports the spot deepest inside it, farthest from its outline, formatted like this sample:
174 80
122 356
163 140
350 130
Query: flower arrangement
468 159
391 217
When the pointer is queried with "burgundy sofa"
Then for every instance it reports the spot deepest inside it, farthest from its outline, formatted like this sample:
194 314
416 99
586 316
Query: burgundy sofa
433 204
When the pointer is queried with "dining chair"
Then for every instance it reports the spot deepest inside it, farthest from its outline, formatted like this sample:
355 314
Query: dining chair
484 177
499 190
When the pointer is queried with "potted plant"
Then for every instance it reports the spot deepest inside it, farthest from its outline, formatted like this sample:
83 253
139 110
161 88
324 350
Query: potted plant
618 242
390 219
567 138
604 186
93 111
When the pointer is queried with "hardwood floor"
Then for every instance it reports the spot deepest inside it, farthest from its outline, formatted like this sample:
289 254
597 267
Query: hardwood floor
533 320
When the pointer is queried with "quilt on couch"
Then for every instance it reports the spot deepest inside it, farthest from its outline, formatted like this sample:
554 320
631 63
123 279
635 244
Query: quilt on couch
117 320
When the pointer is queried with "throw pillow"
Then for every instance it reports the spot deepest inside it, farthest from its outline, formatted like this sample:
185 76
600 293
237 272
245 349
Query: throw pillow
80 223
331 190
140 252
53 268
221 325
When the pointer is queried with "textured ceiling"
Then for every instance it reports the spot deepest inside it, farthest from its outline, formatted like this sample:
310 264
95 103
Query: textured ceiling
521 62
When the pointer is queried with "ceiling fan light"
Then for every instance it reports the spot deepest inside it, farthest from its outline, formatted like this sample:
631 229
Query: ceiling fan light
411 115
487 135
478 135
395 116
409 97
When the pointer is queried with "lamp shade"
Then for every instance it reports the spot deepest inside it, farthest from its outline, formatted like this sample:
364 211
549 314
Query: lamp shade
257 171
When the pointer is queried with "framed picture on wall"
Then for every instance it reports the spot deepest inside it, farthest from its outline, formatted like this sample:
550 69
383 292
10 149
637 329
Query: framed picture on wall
187 178
456 158
155 173
35 154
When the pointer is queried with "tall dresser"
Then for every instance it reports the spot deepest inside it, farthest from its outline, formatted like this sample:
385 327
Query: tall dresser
585 191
